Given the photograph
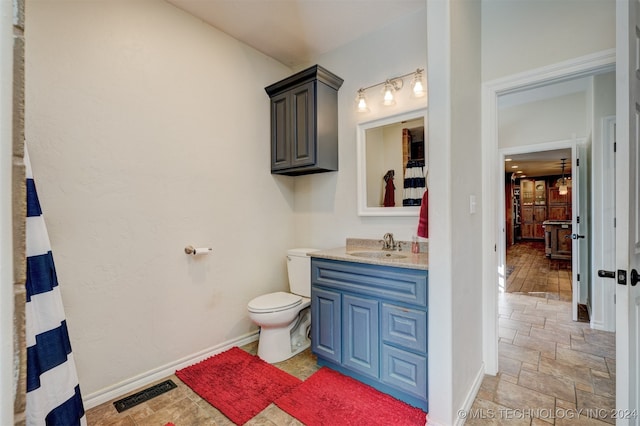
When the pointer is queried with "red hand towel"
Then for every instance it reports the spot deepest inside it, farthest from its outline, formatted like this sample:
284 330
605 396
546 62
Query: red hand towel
423 223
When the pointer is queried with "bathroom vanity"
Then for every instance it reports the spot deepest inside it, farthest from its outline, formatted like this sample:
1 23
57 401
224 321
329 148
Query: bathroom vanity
369 318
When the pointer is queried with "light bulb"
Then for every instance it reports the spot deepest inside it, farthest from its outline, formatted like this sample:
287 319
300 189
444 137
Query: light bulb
361 101
417 85
563 190
388 99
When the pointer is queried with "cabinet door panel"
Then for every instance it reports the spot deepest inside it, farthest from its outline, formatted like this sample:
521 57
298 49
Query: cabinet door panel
405 371
564 241
360 335
303 126
326 320
558 213
280 151
404 327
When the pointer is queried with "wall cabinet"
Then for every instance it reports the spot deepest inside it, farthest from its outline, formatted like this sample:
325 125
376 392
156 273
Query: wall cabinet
540 202
304 122
370 323
532 218
559 205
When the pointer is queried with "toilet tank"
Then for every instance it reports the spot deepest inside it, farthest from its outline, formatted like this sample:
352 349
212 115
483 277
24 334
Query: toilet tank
299 268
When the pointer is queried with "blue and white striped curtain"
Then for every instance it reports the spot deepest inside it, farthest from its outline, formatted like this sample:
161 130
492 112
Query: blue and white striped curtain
415 183
53 392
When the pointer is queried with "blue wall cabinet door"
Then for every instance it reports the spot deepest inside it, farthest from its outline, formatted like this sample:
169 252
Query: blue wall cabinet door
325 324
360 335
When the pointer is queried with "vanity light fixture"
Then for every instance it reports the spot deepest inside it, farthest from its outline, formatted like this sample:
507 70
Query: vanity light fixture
390 87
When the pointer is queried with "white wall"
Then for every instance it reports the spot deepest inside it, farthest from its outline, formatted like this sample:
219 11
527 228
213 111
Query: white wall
325 204
523 35
466 181
149 131
547 120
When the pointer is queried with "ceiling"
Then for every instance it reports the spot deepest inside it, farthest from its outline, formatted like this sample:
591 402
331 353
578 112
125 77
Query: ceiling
295 31
543 163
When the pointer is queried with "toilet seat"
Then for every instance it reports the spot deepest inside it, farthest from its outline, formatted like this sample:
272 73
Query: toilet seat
274 302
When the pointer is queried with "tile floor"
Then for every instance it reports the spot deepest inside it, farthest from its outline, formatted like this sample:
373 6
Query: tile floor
551 370
184 407
533 272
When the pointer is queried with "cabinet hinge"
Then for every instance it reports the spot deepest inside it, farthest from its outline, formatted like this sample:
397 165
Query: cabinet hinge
578 277
577 162
614 298
577 219
615 146
614 222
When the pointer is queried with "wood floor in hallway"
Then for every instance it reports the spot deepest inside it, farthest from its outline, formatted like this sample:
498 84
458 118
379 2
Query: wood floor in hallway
529 271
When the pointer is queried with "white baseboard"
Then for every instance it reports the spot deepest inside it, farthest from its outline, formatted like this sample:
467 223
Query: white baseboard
471 396
141 380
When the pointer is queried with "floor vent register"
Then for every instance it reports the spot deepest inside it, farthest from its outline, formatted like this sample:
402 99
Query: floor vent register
144 395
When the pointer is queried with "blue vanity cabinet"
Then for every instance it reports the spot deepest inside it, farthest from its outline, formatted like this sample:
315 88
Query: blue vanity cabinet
370 322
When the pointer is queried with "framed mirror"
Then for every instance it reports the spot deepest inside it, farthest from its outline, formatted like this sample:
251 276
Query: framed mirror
392 164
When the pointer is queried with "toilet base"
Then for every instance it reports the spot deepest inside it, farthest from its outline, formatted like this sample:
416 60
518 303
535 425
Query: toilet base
279 344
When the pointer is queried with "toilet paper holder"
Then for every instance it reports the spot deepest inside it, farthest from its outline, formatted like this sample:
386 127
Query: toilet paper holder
197 250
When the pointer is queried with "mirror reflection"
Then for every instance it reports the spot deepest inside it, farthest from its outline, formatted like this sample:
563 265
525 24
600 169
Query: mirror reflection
393 167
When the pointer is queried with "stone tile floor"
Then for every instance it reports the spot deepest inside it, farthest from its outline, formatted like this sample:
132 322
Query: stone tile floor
551 370
184 407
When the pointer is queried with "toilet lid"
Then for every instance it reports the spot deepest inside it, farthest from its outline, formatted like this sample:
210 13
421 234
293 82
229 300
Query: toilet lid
278 301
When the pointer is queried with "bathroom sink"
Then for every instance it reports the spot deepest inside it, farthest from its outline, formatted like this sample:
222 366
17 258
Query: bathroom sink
378 255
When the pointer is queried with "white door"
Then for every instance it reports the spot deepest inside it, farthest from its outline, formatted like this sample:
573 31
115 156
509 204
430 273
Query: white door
580 224
627 213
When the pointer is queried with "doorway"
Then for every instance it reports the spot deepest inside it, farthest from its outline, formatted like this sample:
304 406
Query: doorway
494 178
538 224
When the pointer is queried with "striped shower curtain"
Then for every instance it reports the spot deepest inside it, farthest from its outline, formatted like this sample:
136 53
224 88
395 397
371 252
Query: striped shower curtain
53 392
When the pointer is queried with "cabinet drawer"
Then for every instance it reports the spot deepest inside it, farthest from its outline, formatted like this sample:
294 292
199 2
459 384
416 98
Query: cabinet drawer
391 283
405 371
404 327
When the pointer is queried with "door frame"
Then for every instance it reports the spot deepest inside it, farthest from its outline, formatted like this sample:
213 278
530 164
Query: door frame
492 229
501 246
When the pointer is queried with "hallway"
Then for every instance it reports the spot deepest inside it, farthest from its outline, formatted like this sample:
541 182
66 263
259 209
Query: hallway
551 370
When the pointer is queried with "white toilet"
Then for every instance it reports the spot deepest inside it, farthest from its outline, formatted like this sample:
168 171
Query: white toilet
285 318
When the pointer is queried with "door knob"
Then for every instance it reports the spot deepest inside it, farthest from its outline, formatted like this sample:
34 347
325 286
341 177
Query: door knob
576 236
606 274
635 277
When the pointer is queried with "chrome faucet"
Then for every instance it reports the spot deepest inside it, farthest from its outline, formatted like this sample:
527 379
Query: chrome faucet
388 243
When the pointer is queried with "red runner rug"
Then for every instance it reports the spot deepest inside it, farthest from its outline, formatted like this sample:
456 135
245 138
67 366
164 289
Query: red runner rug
331 398
237 383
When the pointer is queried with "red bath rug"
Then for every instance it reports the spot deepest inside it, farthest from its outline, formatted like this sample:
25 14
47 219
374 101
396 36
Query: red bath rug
331 398
237 383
